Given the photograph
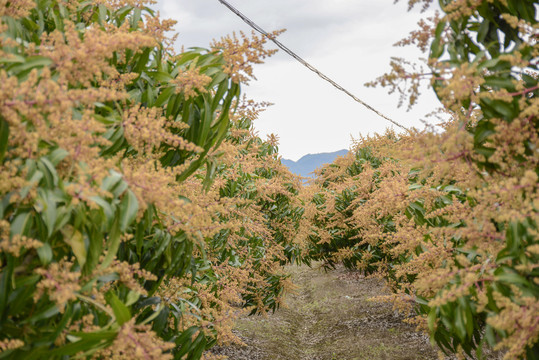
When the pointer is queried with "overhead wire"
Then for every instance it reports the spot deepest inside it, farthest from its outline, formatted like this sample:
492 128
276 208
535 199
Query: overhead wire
257 28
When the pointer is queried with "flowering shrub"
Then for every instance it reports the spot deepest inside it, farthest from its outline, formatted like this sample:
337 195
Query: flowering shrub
138 211
260 232
450 218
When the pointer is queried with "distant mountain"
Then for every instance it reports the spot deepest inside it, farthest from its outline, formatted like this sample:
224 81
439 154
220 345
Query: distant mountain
307 164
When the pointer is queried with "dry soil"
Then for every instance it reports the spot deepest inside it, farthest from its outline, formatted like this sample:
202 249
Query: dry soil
330 317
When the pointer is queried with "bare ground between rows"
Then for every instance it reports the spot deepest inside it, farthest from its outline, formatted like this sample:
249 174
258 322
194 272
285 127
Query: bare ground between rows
330 317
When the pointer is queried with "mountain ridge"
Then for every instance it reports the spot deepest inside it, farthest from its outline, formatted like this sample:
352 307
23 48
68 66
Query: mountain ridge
310 162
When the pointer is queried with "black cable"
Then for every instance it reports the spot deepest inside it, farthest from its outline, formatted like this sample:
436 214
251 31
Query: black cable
305 63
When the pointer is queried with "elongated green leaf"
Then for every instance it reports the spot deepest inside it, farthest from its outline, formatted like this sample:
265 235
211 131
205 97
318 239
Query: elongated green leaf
136 18
74 238
21 224
121 312
31 62
198 347
45 254
142 60
512 278
76 347
100 335
105 205
113 244
4 136
47 313
57 155
111 181
432 319
164 97
459 323
5 285
128 210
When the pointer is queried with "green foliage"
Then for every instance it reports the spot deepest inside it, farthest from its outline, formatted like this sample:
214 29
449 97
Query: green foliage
98 259
456 235
272 192
490 41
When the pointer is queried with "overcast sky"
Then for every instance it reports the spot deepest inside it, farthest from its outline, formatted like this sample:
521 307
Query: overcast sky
349 40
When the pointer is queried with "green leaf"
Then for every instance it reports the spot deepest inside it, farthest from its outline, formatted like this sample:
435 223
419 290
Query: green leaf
21 224
486 152
164 96
490 335
483 30
161 321
432 320
63 216
73 348
100 335
504 109
160 76
74 238
459 323
47 313
113 244
34 179
417 206
128 210
497 82
12 59
57 155
4 135
31 62
142 60
95 248
45 254
207 119
469 321
452 189
111 182
6 277
512 278
49 171
121 312
102 12
199 345
184 340
107 208
136 18
132 297
437 47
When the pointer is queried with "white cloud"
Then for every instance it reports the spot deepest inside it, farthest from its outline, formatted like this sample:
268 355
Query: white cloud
349 40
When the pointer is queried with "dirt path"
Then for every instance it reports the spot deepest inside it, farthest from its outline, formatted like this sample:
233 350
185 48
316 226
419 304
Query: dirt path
330 318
